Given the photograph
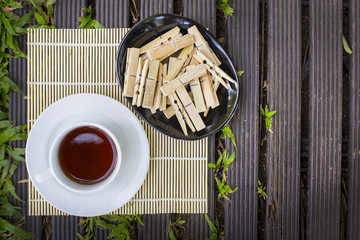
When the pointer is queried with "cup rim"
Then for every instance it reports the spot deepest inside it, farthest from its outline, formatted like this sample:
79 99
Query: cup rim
54 160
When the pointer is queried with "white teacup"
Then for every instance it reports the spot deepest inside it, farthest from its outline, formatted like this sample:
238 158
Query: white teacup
55 170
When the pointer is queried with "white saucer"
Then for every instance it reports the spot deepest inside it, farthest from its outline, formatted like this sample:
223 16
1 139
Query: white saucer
124 125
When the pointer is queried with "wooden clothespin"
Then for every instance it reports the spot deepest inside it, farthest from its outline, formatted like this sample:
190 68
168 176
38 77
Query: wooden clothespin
130 72
178 63
217 103
163 97
160 40
170 47
176 37
144 73
197 93
190 108
137 82
183 79
180 117
208 91
211 71
188 60
202 44
157 97
150 84
169 112
218 70
182 110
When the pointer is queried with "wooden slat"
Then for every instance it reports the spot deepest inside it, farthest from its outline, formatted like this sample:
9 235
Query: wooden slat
151 7
353 212
244 52
202 11
17 112
66 227
284 96
113 13
323 220
67 13
155 227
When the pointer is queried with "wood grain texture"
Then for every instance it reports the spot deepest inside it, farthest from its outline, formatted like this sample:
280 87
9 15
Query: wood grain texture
353 213
325 119
243 28
284 96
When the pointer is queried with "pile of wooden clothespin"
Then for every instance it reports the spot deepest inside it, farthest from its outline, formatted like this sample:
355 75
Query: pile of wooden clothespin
184 86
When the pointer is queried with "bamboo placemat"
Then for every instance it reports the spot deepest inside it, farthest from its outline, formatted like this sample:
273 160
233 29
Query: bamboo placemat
62 62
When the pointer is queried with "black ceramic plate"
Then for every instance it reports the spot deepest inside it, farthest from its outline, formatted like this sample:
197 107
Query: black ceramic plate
149 29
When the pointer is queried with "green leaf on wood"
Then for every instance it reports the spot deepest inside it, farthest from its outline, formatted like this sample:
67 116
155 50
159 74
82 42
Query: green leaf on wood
7 25
24 19
40 19
21 234
240 73
210 223
346 46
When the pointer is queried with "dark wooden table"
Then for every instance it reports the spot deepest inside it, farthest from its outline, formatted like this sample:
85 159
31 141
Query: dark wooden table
293 58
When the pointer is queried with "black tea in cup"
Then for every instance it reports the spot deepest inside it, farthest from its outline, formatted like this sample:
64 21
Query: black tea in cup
87 155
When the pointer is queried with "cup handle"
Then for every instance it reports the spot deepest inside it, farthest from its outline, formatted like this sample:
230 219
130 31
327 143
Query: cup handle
44 175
